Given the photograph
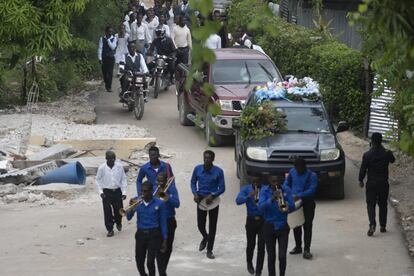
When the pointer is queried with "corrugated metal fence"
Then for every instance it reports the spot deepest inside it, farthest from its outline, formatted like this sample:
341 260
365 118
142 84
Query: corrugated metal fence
380 119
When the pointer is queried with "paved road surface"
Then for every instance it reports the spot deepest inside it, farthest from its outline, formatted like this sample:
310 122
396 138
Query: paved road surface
33 242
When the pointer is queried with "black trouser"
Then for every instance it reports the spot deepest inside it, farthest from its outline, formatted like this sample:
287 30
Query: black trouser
308 206
147 244
282 237
164 258
254 228
212 225
107 70
377 195
111 205
182 55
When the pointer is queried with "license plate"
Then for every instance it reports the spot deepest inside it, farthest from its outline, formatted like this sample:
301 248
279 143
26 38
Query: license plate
139 80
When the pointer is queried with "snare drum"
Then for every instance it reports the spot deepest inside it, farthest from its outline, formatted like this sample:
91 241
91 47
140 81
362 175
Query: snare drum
296 218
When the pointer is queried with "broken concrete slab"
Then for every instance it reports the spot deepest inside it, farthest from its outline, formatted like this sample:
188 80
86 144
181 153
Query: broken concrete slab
28 175
91 164
123 147
57 190
5 166
58 151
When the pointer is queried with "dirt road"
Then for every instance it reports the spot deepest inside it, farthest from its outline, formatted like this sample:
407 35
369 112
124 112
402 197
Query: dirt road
69 238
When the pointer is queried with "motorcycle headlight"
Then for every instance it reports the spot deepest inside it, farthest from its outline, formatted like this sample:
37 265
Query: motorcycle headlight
257 153
329 154
160 62
226 105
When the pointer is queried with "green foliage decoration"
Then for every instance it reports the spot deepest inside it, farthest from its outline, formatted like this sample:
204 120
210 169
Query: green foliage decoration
260 121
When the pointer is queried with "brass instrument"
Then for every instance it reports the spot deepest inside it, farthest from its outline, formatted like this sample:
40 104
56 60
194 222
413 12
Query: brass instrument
281 200
161 193
131 207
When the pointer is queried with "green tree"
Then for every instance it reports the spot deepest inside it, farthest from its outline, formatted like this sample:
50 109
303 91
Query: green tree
388 32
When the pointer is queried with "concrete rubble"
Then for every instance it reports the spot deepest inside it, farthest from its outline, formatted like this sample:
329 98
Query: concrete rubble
61 132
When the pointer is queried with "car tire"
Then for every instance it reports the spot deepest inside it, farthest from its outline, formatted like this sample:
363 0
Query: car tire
183 111
213 139
338 190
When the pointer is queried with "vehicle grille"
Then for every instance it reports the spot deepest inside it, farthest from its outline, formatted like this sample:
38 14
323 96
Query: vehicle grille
290 156
237 105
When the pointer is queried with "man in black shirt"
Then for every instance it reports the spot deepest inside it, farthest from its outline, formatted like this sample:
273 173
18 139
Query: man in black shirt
164 46
376 162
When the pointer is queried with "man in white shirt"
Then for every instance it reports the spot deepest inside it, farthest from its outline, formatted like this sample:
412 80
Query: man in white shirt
181 36
134 62
213 42
106 56
140 34
111 182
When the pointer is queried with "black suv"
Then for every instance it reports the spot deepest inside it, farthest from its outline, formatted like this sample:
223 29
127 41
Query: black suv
309 135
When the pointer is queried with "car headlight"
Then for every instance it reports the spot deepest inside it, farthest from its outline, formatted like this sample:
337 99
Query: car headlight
257 153
226 105
329 154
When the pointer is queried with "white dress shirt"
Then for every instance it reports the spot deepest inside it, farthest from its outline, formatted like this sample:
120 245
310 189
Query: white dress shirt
107 178
140 32
143 66
213 42
181 36
151 26
112 41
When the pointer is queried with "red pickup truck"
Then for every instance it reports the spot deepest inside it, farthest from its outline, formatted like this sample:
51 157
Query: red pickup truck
233 75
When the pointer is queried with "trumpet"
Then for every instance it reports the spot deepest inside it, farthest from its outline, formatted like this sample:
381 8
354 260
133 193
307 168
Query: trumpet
135 202
160 192
281 200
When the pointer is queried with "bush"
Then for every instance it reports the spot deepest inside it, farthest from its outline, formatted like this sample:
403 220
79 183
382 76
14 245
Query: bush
306 52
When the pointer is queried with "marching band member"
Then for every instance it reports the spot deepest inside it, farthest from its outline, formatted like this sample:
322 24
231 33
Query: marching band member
275 202
210 180
303 183
169 195
151 169
151 235
112 186
249 195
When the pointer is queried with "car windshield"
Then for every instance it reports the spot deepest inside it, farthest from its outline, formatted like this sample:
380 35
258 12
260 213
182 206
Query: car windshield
244 72
305 119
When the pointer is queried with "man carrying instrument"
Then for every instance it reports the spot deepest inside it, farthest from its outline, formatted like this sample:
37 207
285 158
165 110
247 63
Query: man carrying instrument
303 183
151 235
112 186
210 180
167 192
151 169
249 195
275 202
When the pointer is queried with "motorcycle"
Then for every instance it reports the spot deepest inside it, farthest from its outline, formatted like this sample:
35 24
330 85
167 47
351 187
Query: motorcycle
160 74
135 96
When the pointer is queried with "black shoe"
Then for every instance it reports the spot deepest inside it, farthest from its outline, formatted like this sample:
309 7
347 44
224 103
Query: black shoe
296 250
258 274
203 244
108 90
119 227
307 255
250 268
383 229
110 234
371 231
210 255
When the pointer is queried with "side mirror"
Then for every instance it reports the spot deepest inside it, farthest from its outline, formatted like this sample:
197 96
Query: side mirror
342 126
287 77
236 123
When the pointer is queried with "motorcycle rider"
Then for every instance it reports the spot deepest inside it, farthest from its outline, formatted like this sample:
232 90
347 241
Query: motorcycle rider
165 46
133 62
